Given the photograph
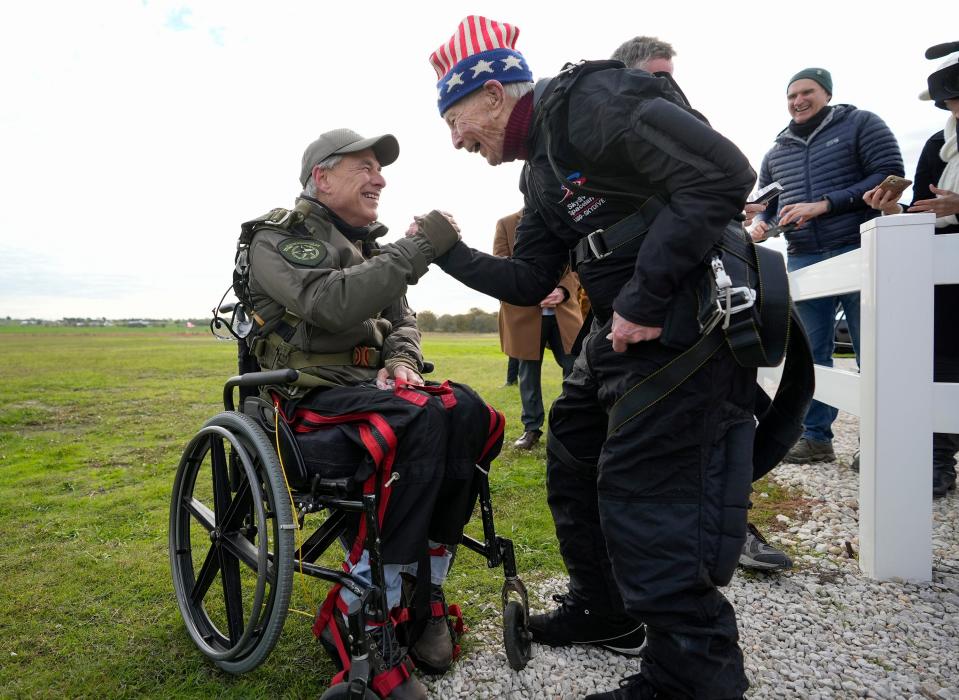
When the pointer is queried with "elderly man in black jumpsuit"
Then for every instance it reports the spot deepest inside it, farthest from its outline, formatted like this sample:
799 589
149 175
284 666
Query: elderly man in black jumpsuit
651 515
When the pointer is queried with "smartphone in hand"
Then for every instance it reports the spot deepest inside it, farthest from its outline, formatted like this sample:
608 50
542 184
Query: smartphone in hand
770 191
894 184
779 230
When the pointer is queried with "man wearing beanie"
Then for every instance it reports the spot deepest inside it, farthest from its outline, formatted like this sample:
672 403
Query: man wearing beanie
328 299
826 158
650 511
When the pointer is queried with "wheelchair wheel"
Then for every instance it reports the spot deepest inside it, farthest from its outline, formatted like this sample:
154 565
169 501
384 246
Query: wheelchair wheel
231 542
516 636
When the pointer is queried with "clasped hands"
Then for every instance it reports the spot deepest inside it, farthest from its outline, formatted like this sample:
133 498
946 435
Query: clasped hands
414 228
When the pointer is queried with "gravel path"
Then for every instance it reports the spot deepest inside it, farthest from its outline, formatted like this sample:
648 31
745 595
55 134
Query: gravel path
819 631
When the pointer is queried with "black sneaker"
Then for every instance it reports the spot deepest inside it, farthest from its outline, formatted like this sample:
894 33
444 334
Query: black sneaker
943 481
575 624
759 554
808 451
630 688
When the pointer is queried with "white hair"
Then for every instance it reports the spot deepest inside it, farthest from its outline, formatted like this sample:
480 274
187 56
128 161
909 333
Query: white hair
326 164
511 90
517 90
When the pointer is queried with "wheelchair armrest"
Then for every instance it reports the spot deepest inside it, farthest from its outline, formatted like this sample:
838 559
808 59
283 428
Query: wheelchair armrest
428 367
276 376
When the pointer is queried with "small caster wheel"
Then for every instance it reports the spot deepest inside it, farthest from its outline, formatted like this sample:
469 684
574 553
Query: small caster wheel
516 636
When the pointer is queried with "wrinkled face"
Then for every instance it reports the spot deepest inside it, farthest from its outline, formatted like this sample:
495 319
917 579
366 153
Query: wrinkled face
656 65
805 98
953 106
352 187
478 126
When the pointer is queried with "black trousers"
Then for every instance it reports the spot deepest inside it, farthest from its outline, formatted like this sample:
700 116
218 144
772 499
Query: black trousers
438 446
945 366
651 519
531 373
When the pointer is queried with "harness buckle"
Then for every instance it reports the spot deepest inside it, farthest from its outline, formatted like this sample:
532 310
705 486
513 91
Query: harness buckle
597 245
729 299
287 213
737 299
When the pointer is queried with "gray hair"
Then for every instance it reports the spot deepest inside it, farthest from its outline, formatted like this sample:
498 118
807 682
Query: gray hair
326 164
511 90
640 49
517 90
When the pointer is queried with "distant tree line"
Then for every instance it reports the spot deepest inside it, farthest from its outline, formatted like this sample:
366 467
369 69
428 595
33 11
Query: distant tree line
476 321
86 321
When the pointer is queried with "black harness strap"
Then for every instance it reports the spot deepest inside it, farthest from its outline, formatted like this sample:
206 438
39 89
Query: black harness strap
760 339
755 339
602 243
663 381
554 445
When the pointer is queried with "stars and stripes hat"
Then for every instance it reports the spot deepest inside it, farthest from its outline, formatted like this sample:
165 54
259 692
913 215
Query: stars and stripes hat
479 50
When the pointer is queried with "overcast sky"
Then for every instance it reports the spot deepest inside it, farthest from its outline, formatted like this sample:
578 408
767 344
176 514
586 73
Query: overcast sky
135 136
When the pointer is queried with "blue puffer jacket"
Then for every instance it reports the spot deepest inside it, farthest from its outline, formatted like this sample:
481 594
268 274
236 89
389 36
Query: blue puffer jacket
851 152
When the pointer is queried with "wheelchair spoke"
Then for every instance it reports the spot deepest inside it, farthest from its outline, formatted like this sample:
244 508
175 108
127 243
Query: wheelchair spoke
221 478
232 593
242 549
239 507
203 515
206 575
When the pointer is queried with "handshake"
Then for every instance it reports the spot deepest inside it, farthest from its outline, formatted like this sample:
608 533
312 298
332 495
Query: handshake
438 228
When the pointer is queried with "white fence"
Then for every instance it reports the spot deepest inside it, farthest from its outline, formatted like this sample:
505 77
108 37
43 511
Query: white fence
898 404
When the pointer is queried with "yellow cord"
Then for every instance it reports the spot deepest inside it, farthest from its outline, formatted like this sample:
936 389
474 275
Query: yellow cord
299 542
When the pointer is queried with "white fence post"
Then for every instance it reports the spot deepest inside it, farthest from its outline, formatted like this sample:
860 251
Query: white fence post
896 398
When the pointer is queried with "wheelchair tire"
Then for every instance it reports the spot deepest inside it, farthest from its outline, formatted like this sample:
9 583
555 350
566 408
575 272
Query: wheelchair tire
341 691
231 505
516 636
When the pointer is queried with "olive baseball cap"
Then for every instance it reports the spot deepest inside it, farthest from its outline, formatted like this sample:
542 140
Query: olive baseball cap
340 141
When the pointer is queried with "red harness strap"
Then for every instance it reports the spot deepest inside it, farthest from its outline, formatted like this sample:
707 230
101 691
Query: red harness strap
497 424
305 420
409 391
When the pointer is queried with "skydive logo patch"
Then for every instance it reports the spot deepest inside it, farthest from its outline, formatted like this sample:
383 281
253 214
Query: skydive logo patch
582 205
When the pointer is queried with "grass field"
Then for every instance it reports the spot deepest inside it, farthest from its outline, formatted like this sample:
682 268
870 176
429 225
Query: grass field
92 423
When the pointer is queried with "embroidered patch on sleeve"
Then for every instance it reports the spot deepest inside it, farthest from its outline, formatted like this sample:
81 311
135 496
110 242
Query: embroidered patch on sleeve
300 252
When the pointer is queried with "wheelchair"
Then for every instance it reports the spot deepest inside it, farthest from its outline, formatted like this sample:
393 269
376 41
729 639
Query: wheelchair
236 537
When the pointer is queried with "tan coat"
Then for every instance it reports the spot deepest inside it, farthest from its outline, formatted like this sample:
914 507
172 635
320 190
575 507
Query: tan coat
519 326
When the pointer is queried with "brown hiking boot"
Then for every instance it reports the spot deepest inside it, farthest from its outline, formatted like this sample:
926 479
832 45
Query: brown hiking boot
390 667
434 649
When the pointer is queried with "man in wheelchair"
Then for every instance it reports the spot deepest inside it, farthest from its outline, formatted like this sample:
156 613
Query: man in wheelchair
326 299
